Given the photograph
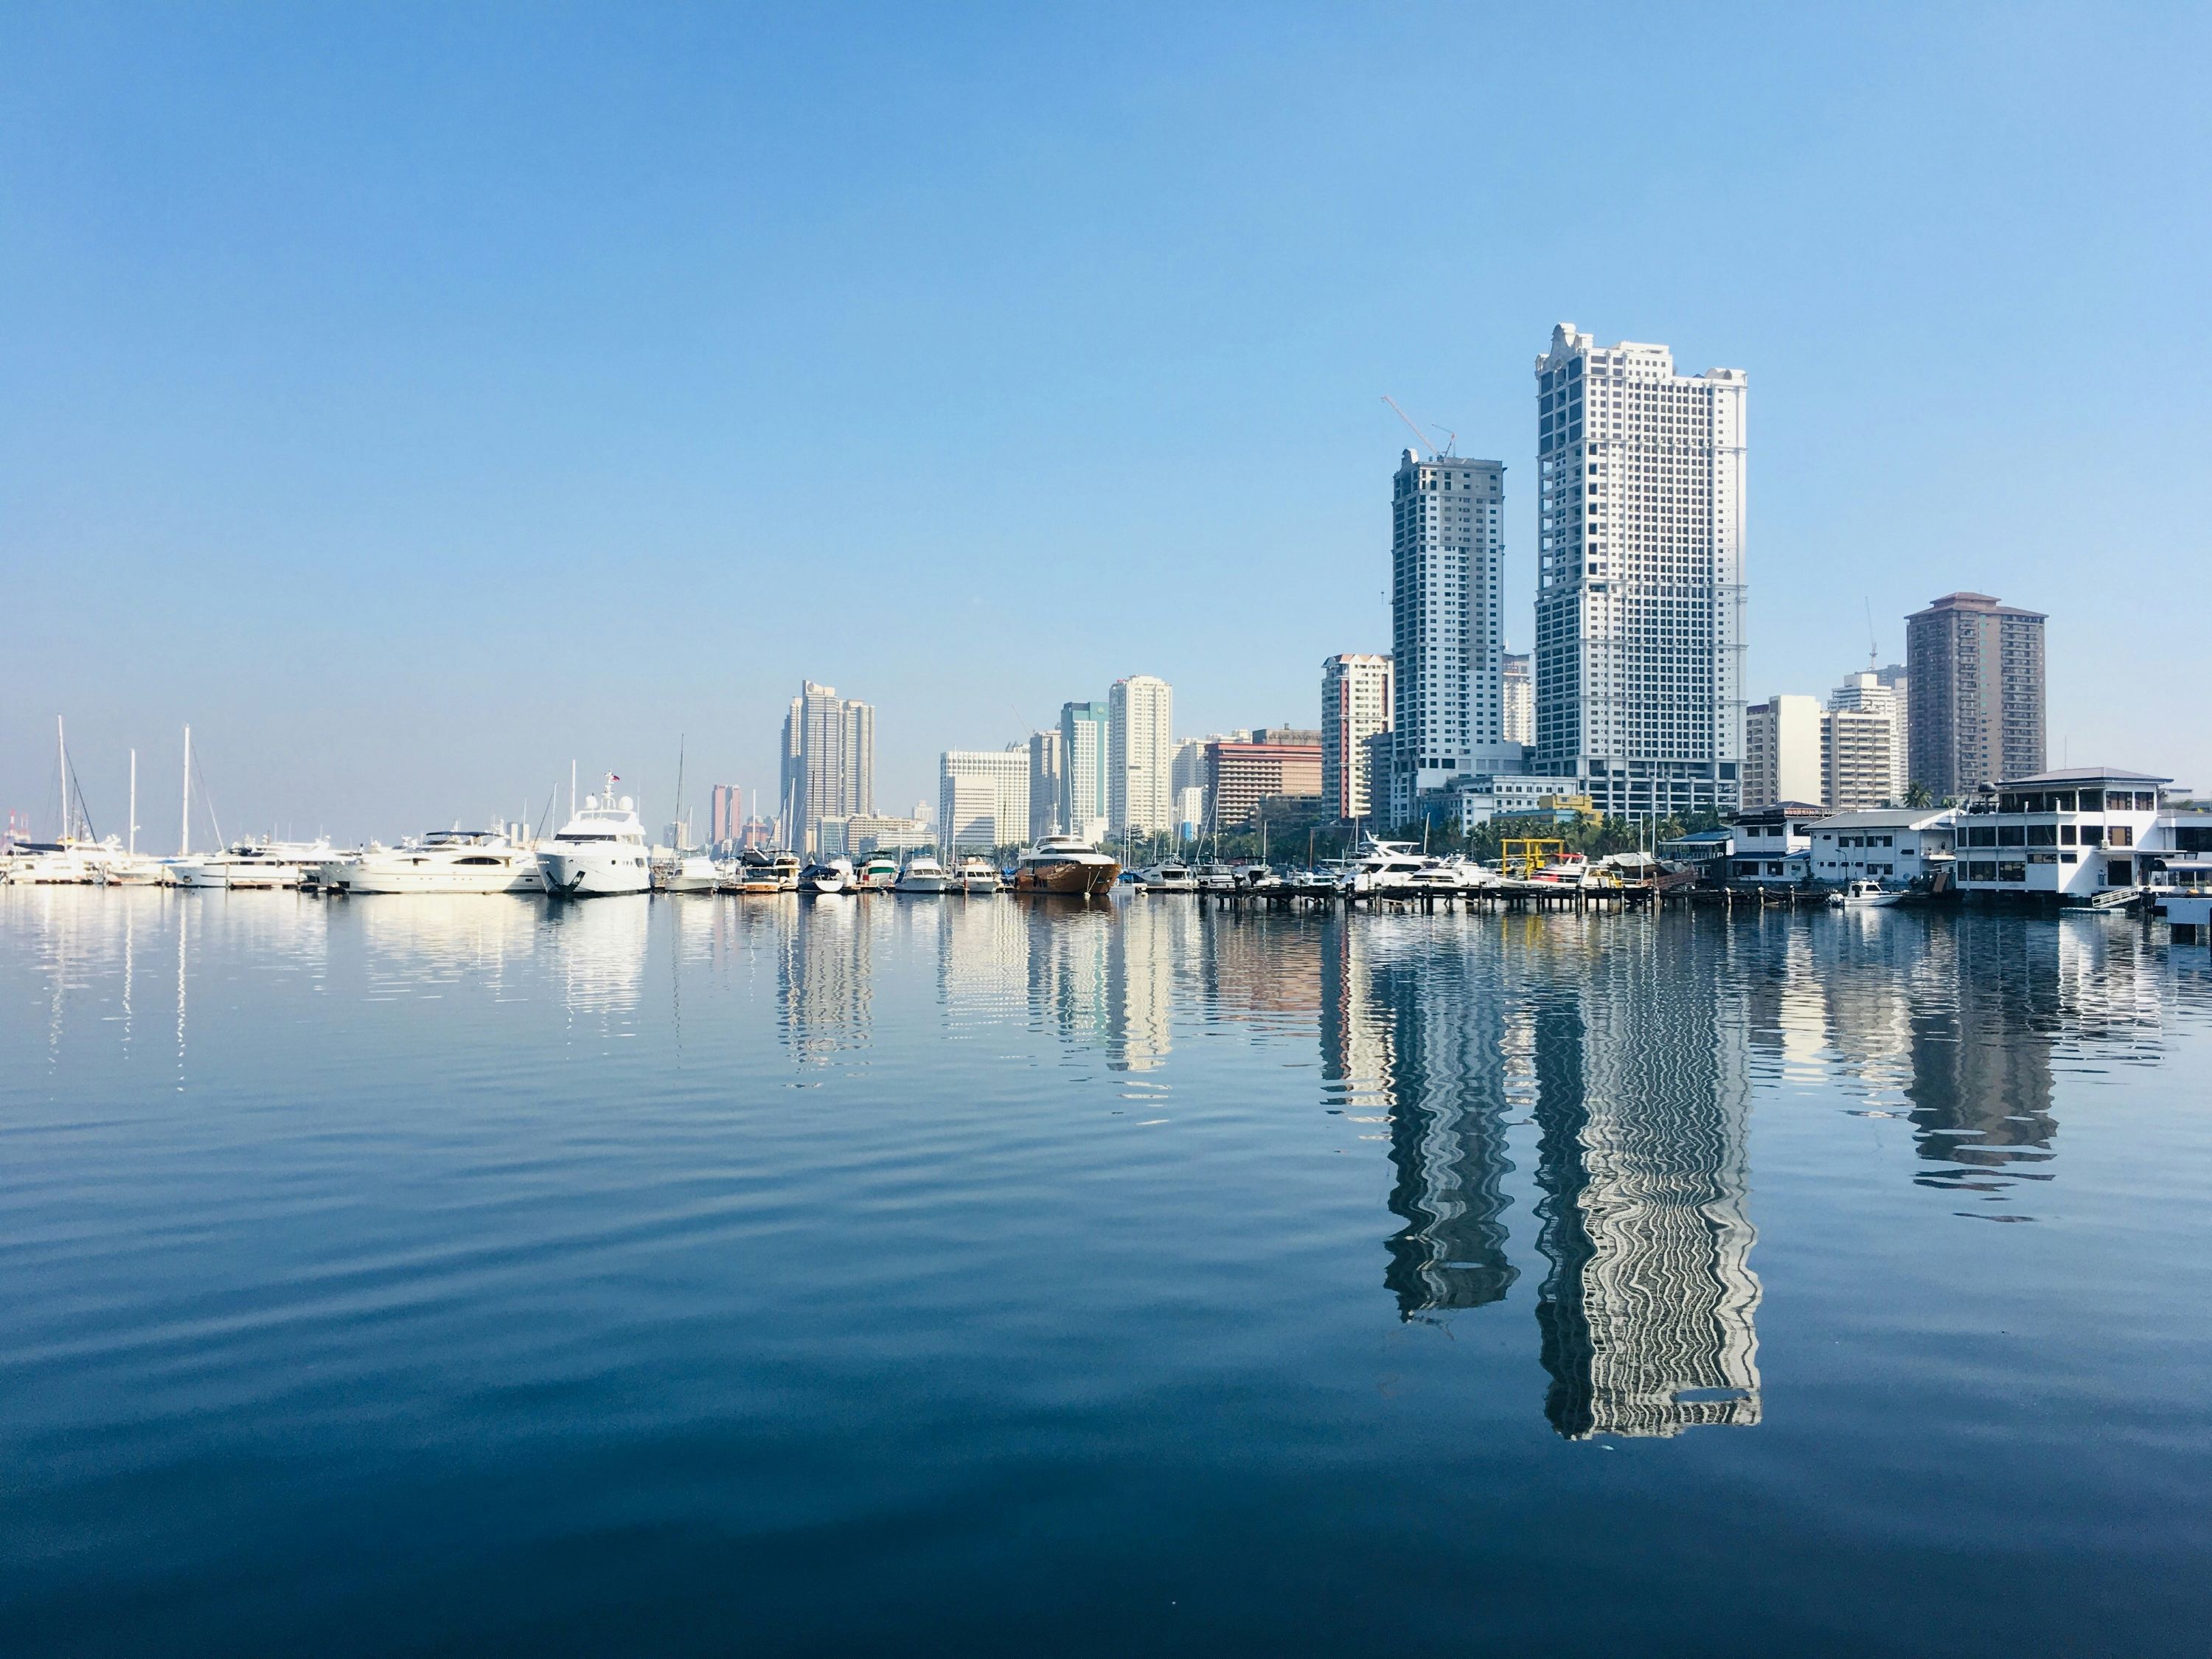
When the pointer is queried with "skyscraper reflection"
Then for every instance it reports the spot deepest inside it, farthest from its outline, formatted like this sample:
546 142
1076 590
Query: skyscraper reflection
822 971
1428 1060
1646 1313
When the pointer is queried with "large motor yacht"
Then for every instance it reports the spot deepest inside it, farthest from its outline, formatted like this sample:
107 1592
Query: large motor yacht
762 874
1065 863
924 874
599 851
251 864
442 861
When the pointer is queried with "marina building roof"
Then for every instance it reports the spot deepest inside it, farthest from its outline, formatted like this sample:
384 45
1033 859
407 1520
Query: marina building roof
2080 774
1900 818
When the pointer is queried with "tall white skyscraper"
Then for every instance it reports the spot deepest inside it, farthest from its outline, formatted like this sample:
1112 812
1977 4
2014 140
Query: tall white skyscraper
1355 704
1140 750
1047 778
1517 712
1447 571
1640 577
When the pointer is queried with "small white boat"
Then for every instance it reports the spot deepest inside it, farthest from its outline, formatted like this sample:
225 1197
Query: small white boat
598 852
878 873
1170 877
1859 893
827 878
980 876
924 874
442 861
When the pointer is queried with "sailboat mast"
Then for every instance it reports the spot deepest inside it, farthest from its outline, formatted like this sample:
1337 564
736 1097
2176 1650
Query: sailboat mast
185 835
61 747
133 847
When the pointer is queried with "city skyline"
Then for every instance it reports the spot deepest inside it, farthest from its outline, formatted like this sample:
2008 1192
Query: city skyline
524 378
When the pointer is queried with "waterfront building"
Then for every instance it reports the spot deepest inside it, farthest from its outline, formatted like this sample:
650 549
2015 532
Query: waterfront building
1447 581
1896 845
982 798
1355 704
1082 745
1640 579
1139 755
1976 710
1189 774
2063 837
1773 844
1781 751
829 760
1516 706
1240 775
1047 768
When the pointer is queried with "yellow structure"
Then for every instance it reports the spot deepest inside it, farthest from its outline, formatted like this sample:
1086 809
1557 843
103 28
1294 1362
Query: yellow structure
1522 858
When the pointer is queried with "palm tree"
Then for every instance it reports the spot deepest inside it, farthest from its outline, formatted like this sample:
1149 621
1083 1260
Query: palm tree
1917 795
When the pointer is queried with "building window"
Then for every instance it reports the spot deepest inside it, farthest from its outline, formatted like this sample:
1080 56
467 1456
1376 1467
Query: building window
2012 871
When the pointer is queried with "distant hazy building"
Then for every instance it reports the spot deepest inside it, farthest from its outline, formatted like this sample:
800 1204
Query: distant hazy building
866 834
725 812
1976 710
1189 811
1516 706
1139 755
982 797
1446 579
1187 775
1355 704
1047 780
1781 752
829 759
1640 579
1083 743
1240 775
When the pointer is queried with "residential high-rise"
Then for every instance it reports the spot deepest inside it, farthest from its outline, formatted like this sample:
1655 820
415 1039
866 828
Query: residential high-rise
1976 711
1885 692
1187 780
829 760
1640 577
1355 704
1047 779
1139 755
1083 762
1516 708
982 797
1857 751
1447 575
1781 752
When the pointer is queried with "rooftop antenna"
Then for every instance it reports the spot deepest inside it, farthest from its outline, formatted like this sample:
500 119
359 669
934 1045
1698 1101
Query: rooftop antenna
1427 442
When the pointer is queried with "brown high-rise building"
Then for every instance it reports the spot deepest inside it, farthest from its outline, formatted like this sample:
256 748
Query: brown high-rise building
1976 713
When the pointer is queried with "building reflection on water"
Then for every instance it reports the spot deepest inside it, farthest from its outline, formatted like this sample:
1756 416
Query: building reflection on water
1431 1069
1646 1313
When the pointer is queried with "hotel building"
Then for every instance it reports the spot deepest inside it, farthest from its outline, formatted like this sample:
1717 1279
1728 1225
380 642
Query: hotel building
1640 579
1140 750
829 760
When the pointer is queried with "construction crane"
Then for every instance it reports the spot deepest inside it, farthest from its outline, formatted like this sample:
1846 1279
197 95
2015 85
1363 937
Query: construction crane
1427 442
1874 650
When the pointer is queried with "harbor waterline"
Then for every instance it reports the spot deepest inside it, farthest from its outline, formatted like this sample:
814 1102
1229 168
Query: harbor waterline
694 1274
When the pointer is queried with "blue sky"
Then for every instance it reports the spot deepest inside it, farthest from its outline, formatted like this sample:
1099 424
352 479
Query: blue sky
415 398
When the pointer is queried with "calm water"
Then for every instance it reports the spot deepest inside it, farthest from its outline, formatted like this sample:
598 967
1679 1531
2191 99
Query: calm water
705 1276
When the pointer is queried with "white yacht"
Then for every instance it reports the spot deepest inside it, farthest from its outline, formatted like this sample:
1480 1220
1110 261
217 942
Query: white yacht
599 851
442 861
689 873
878 873
924 874
761 874
980 876
251 864
1168 878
